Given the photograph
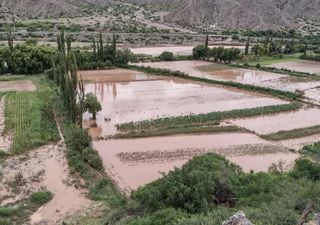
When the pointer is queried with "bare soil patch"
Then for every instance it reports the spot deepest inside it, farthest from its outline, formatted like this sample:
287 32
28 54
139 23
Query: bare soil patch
17 85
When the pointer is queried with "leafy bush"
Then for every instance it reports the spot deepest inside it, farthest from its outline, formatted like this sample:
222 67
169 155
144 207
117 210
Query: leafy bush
167 56
41 198
200 184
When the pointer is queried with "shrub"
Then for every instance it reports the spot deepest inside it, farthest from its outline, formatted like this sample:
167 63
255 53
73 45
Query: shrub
167 56
41 198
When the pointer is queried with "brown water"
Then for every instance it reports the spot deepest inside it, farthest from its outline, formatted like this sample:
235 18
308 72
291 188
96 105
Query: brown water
300 65
135 99
306 117
135 162
299 143
260 78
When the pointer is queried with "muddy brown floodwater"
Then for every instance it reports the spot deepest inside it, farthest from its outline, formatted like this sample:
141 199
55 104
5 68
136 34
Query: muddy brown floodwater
305 117
300 65
135 162
246 76
136 96
17 85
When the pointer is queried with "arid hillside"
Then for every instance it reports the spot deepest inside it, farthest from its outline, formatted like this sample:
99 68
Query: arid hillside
246 14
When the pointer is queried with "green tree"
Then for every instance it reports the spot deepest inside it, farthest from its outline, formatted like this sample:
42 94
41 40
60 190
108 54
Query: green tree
92 105
246 51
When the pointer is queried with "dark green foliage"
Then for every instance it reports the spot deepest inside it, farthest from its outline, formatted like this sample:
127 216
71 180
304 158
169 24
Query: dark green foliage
91 104
272 199
167 216
196 187
25 59
167 56
41 198
82 158
219 54
199 52
247 48
104 190
311 57
312 151
306 168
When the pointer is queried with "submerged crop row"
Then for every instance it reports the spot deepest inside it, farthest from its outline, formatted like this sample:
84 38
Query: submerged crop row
169 122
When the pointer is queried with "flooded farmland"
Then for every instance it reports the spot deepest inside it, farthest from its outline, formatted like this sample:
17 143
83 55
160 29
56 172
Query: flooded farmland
128 95
246 76
300 65
135 96
135 162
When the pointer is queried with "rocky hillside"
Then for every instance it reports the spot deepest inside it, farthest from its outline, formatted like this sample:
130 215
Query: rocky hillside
246 14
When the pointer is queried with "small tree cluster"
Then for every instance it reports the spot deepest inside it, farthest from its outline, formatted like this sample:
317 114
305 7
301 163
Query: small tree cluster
220 54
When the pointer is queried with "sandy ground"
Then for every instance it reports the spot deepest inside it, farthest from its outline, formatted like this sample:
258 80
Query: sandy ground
305 117
300 65
135 162
135 97
17 85
43 168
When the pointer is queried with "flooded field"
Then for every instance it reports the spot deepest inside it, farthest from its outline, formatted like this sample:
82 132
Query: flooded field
132 96
300 65
17 85
246 76
176 50
306 117
135 162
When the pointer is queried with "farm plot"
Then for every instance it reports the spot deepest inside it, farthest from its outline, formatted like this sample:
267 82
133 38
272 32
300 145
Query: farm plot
300 65
135 162
245 76
136 100
30 120
303 118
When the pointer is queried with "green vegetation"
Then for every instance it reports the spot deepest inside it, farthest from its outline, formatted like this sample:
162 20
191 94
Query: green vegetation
291 134
178 129
104 190
263 90
12 77
312 151
19 214
24 58
219 54
209 189
311 57
213 67
203 119
92 105
30 118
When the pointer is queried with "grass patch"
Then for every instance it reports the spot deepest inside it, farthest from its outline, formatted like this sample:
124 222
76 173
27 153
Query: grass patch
214 117
20 213
104 190
266 60
291 134
213 67
263 90
30 118
178 130
12 77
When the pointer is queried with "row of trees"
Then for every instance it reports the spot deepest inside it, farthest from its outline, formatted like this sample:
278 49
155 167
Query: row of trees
26 58
219 54
64 74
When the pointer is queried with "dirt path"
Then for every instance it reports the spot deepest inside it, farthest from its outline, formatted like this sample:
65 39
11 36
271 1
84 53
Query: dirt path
5 140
